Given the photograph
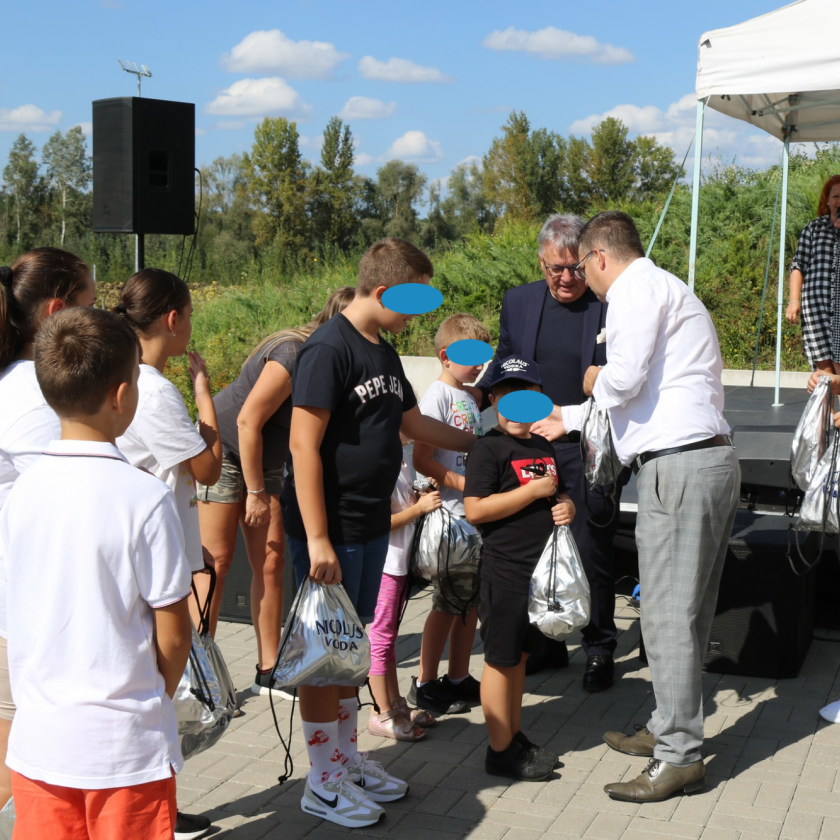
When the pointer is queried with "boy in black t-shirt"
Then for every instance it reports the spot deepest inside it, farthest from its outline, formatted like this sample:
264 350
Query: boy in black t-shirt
351 400
513 491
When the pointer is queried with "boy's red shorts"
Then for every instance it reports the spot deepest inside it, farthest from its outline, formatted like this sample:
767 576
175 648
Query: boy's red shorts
47 812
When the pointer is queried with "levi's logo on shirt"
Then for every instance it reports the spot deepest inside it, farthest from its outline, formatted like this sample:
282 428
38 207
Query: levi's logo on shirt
379 385
520 467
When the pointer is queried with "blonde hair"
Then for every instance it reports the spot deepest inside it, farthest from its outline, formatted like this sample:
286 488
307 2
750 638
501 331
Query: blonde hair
390 262
458 326
336 303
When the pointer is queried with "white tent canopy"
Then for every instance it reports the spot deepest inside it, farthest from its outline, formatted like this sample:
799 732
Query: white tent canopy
779 72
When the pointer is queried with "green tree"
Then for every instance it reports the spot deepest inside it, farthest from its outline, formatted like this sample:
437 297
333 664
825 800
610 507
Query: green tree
68 169
465 207
655 167
276 177
578 189
337 222
21 179
611 162
399 188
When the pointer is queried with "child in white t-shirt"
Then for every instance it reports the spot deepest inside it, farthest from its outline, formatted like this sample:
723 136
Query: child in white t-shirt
394 718
94 744
454 613
162 439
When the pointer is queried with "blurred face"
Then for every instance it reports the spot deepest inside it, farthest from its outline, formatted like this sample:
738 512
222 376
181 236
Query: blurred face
511 427
395 322
465 374
834 202
563 285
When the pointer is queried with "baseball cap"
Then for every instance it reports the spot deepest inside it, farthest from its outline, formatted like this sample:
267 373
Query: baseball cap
515 367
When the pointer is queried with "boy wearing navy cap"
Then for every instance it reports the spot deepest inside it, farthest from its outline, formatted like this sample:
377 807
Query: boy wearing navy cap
514 493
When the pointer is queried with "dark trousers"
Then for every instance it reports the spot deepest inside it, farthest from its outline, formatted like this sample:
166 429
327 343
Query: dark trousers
596 550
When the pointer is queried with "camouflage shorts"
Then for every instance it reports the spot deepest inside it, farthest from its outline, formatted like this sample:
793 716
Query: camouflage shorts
230 488
455 593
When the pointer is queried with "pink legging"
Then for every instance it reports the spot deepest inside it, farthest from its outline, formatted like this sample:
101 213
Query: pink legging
383 631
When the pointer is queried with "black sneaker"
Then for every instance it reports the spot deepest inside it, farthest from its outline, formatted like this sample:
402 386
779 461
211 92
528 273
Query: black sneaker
435 697
528 744
191 826
468 690
554 654
519 763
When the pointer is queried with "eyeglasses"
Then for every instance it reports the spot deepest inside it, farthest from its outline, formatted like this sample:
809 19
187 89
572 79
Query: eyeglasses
580 271
557 270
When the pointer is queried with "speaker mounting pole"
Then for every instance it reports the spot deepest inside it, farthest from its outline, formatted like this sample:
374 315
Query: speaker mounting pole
141 71
139 252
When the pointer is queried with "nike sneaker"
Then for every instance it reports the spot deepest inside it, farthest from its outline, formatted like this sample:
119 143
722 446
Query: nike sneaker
370 777
340 801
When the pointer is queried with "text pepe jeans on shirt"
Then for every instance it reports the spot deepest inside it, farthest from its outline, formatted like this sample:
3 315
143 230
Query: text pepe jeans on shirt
379 385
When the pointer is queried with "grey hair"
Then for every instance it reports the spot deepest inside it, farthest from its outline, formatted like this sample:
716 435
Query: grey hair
561 231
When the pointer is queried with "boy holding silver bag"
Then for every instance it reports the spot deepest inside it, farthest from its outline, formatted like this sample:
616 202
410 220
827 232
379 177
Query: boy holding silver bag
513 491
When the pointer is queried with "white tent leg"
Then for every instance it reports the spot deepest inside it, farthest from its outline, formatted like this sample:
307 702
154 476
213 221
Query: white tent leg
695 193
781 295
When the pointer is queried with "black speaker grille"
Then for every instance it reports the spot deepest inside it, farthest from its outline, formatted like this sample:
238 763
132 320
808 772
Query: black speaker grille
113 187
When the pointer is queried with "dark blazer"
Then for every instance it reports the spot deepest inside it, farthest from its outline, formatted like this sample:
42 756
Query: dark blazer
519 323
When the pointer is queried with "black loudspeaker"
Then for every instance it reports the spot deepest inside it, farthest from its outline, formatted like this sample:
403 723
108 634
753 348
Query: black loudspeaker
236 597
764 620
143 166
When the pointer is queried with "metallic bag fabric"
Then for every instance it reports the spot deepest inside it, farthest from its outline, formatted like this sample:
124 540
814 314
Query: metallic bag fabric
324 642
810 440
600 462
559 601
444 544
820 510
205 699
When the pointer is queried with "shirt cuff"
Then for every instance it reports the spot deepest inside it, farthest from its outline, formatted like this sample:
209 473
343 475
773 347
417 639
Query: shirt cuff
604 394
572 417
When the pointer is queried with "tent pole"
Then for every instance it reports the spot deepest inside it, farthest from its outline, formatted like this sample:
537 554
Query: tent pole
695 192
781 294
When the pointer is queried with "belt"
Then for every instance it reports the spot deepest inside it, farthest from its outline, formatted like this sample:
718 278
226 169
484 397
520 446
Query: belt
709 443
569 437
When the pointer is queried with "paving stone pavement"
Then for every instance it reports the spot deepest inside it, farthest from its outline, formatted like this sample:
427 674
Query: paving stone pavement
771 763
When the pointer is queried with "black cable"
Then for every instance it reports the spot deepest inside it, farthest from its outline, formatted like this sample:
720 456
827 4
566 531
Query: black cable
191 254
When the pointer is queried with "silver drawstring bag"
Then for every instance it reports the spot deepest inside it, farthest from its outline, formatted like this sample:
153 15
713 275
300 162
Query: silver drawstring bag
323 641
444 545
810 440
559 600
7 820
820 510
600 462
205 700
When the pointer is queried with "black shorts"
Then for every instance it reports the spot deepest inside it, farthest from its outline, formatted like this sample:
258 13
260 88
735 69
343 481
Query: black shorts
505 629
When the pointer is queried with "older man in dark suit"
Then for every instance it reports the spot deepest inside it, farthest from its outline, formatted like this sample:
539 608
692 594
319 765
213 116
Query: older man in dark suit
560 324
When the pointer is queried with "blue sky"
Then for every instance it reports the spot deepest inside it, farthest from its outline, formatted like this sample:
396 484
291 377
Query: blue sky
431 83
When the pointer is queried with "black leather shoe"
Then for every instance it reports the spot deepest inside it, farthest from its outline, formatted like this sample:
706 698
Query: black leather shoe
599 674
554 654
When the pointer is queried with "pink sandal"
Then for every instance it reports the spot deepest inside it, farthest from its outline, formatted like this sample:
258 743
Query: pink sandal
394 725
419 717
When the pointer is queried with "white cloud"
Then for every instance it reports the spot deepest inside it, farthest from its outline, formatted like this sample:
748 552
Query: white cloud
230 125
414 147
363 159
399 70
200 132
557 45
364 108
273 52
87 128
259 97
674 127
28 118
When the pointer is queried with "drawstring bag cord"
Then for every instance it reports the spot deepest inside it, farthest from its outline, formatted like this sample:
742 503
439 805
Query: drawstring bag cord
288 761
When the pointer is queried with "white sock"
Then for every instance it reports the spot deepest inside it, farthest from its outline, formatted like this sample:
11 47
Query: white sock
348 722
458 681
324 750
421 684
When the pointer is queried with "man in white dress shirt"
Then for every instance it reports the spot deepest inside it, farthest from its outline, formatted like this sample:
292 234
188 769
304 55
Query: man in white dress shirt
662 388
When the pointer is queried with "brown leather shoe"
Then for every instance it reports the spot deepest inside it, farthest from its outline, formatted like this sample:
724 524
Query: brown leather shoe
642 743
658 781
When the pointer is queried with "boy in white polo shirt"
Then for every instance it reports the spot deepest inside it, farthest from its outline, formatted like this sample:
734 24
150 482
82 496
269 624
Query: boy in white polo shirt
95 547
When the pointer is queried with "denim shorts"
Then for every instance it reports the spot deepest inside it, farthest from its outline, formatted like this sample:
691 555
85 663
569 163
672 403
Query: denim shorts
361 570
230 488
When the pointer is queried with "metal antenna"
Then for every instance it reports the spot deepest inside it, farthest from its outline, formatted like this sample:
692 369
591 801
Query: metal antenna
140 72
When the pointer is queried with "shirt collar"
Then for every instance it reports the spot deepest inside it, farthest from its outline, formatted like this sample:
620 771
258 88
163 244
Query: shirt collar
90 448
638 265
